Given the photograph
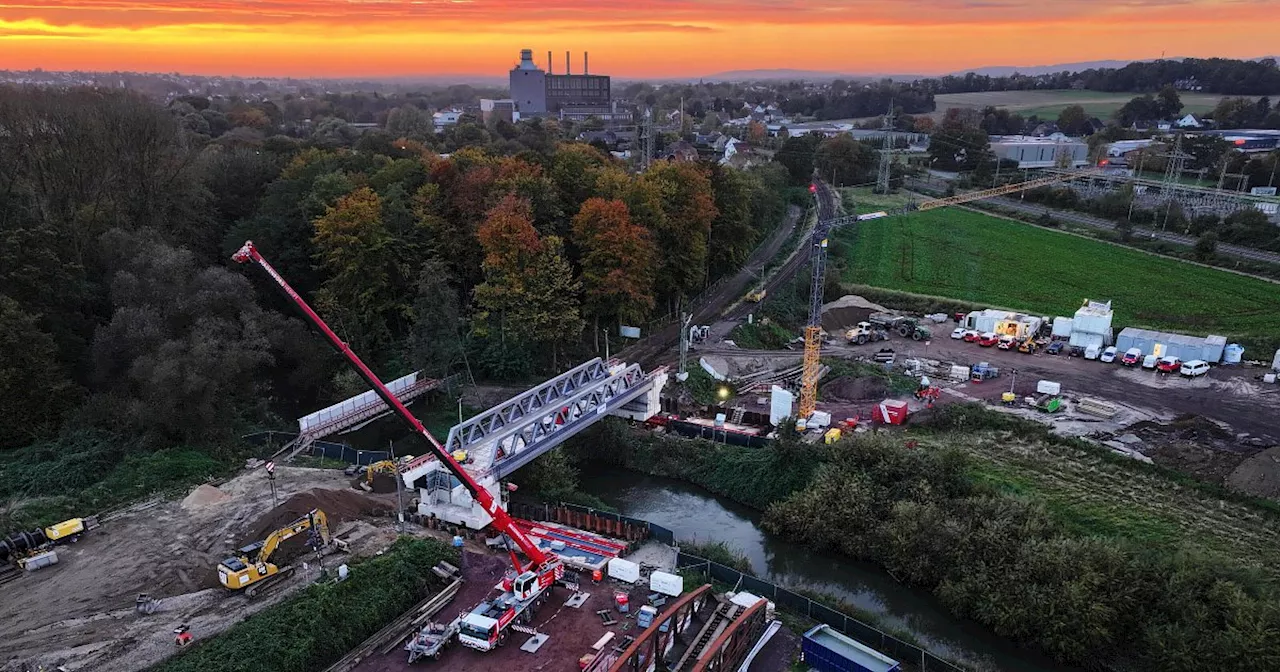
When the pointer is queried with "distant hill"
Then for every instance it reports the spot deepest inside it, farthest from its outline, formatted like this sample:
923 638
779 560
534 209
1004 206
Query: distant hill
791 74
1006 70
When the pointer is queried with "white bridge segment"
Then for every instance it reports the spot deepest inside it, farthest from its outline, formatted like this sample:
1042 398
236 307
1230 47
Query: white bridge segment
510 435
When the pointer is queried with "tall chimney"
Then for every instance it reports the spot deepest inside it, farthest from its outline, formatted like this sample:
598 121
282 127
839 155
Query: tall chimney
584 64
549 68
567 70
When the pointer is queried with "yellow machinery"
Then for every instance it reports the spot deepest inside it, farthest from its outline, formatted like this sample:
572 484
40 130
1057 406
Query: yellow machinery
384 467
756 296
253 563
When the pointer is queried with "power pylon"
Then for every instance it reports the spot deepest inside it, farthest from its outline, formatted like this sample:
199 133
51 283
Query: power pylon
886 153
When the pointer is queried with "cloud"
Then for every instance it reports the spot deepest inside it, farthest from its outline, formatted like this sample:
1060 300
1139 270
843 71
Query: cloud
648 28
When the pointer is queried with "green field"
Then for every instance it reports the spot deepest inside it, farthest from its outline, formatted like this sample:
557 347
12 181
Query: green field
1047 104
970 256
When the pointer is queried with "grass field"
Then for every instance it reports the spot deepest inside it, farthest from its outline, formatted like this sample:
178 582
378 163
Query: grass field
974 257
1097 496
1047 104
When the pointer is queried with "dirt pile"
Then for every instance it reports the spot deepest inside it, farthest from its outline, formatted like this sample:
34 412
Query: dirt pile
1258 475
1199 446
205 495
845 312
338 506
848 388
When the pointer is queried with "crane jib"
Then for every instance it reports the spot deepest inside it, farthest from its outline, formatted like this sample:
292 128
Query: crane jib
501 520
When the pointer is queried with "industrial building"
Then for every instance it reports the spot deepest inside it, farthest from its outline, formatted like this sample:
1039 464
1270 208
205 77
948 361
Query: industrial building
492 111
1182 346
539 92
1032 152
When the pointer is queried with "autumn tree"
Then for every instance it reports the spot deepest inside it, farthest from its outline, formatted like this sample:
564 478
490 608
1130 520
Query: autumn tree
844 160
356 252
617 263
683 233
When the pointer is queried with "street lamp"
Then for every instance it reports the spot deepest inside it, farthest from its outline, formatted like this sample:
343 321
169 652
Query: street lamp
724 392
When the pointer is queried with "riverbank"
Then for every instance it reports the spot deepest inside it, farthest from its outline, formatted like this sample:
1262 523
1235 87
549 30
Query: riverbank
1061 564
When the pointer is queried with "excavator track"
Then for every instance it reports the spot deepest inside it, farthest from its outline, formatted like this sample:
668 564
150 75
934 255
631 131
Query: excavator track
268 585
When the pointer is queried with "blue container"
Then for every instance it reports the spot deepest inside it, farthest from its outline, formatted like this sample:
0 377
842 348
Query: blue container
827 650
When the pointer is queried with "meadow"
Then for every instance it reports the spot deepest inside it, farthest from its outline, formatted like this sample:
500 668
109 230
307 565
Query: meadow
1047 104
969 256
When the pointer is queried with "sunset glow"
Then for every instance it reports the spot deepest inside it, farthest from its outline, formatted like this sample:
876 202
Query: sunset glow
636 39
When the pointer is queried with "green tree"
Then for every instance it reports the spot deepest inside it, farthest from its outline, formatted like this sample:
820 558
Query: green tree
732 232
34 388
1206 245
797 154
550 314
844 160
684 231
356 252
410 121
1073 120
617 263
436 338
1168 102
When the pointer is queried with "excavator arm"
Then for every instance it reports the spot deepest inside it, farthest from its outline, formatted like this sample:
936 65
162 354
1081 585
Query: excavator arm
314 519
501 520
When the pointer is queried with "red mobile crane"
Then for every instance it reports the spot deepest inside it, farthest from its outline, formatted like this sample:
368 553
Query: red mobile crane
543 569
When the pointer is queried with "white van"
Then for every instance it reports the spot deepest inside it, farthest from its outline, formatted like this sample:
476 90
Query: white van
1195 367
1092 352
1150 361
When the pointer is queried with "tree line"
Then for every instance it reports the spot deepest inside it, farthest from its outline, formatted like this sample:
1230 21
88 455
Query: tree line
121 315
1213 75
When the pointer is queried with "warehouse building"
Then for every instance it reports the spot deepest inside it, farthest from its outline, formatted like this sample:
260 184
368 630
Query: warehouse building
1056 150
1163 344
539 92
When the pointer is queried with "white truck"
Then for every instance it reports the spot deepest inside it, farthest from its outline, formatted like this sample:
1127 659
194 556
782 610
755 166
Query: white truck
485 627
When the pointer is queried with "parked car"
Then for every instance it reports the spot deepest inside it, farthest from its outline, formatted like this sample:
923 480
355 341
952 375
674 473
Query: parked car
1007 342
958 333
1092 352
1131 357
1169 365
988 339
1150 361
1108 355
1195 367
971 336
1076 351
1054 348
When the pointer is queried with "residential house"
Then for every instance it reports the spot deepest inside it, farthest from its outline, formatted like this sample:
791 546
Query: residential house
1189 121
681 150
446 118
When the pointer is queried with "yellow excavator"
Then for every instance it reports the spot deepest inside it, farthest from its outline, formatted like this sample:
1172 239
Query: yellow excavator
252 566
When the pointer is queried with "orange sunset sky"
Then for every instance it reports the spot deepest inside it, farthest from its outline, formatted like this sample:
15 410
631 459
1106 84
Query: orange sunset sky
628 38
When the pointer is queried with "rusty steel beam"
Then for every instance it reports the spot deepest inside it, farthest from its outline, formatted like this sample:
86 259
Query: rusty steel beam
630 660
731 647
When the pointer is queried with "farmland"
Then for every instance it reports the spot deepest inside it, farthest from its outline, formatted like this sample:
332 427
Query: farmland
974 257
1047 104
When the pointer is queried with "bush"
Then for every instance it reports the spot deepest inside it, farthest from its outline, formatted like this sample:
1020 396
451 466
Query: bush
761 335
717 551
321 624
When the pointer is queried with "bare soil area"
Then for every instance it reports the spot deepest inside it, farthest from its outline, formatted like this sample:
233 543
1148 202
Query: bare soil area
80 612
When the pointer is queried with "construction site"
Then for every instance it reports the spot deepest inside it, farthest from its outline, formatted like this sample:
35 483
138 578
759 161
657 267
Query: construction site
125 589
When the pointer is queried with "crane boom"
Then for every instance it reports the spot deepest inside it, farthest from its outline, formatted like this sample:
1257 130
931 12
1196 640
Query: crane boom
501 520
1005 189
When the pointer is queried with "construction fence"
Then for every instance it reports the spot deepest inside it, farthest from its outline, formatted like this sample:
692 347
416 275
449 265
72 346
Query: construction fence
586 518
798 604
326 449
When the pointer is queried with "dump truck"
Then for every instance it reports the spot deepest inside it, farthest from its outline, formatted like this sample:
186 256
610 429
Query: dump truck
907 327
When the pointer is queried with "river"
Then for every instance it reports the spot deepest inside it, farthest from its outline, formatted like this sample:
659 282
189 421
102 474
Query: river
695 514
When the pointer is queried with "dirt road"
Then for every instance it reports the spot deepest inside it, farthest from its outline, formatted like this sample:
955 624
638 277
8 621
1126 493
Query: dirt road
80 612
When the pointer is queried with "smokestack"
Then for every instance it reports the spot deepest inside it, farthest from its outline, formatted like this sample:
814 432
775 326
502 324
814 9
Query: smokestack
567 69
549 68
584 64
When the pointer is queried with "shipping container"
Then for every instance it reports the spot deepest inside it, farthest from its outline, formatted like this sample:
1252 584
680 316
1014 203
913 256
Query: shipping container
827 650
1094 317
1062 327
1087 340
1164 344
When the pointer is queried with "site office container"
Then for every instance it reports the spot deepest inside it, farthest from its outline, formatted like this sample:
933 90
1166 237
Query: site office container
1164 344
